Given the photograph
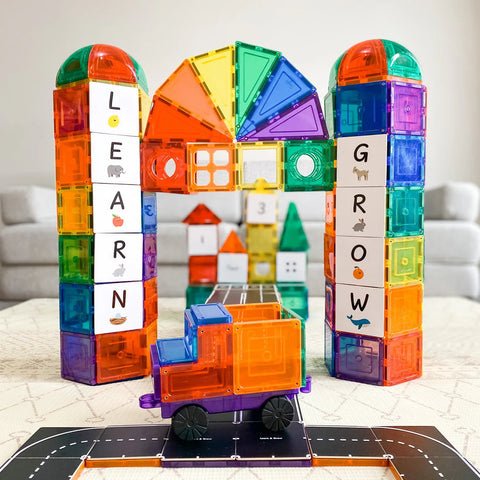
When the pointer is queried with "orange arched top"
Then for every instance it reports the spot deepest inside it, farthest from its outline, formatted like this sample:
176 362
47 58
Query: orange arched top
111 64
364 62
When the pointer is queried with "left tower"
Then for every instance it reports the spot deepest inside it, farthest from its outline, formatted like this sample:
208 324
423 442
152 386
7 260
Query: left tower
106 224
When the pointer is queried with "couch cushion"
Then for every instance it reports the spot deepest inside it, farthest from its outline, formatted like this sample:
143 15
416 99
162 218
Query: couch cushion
453 201
29 244
228 206
451 280
28 204
310 205
452 242
172 241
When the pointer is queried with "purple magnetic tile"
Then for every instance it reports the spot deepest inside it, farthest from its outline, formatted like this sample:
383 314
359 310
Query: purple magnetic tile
273 463
200 464
228 403
303 121
149 256
359 358
78 357
330 303
407 108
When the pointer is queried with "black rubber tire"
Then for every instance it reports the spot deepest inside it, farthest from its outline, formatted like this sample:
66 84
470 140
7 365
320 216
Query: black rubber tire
190 422
277 414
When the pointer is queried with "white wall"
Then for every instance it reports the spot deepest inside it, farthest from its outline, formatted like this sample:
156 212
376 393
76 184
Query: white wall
37 36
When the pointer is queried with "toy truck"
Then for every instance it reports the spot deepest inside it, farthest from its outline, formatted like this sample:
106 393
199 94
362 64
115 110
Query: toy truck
232 357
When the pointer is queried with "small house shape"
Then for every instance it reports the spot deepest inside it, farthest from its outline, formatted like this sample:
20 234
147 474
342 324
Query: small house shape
202 239
232 262
292 254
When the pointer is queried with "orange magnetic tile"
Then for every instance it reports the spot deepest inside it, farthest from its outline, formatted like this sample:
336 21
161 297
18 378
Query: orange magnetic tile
329 257
151 335
403 358
73 160
211 375
163 168
330 212
184 88
111 64
350 462
168 122
122 355
403 310
75 210
202 269
267 356
123 462
364 62
211 167
70 110
201 215
150 302
254 312
233 244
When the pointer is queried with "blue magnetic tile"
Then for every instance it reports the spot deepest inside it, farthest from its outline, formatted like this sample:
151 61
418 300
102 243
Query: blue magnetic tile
361 109
173 350
286 86
406 161
210 314
149 212
76 308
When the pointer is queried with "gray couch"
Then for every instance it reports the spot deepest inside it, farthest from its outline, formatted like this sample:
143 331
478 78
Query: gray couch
29 257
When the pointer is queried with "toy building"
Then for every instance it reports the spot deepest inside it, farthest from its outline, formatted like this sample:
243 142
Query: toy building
106 224
244 118
374 217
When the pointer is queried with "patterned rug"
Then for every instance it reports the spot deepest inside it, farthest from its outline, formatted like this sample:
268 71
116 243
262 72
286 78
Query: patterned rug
447 396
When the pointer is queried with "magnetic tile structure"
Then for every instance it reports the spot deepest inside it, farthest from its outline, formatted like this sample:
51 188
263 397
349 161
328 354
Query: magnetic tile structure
221 121
106 223
376 110
243 117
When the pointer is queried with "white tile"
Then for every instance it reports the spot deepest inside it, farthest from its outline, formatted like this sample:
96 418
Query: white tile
117 208
360 261
232 268
202 239
361 211
360 310
118 258
261 208
118 307
291 267
114 109
260 163
362 161
115 159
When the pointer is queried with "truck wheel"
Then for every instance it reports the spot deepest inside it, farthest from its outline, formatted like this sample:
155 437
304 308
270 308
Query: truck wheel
277 413
190 422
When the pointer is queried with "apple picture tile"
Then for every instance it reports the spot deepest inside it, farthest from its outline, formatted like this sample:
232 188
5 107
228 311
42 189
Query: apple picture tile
117 208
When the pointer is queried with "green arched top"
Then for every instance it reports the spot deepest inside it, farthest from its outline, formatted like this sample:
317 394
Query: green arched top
401 62
141 77
75 67
332 79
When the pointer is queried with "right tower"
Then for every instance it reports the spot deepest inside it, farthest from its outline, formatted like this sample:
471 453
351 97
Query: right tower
376 110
